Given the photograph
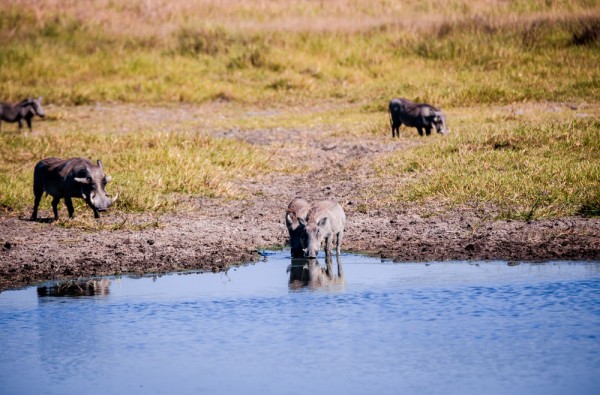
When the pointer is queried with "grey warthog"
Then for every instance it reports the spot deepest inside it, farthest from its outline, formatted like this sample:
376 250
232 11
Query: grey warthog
420 116
297 209
25 109
71 178
325 219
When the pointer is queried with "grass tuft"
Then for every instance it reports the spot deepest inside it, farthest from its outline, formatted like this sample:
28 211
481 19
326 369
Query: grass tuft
587 32
203 41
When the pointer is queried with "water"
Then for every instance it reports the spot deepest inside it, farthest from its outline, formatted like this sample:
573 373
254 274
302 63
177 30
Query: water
441 328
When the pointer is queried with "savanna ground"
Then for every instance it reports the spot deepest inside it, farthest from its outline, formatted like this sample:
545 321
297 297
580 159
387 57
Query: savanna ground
212 115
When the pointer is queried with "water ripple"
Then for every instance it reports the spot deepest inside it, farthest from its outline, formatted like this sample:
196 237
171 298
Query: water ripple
446 328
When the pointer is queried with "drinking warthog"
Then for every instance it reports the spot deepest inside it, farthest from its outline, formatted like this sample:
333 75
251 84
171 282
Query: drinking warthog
25 109
297 209
71 178
420 116
325 219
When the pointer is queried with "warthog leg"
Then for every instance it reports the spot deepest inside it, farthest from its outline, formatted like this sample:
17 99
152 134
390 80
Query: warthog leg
340 237
55 207
328 244
69 204
36 204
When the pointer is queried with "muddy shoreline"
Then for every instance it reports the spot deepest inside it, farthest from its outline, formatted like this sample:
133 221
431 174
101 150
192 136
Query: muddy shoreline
36 252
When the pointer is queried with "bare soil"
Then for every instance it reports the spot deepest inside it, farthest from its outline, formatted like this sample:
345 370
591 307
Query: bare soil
213 234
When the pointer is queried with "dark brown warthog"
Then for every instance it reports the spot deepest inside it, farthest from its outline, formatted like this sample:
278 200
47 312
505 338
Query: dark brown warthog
71 178
297 210
325 219
420 116
25 109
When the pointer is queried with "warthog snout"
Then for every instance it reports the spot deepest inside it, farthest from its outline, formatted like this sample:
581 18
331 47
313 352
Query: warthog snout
37 105
102 203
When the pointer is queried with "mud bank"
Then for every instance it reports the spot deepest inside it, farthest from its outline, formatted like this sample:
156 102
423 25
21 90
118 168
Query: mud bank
33 252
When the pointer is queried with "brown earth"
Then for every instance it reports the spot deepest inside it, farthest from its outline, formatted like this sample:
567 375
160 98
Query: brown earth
212 234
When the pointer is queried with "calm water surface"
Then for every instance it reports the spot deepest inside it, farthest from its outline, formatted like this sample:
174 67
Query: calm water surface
277 328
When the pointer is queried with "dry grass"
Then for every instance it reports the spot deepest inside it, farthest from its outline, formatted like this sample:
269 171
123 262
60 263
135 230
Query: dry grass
162 18
450 53
352 55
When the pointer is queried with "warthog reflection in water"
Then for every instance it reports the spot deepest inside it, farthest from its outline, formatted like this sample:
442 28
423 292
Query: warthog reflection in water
305 272
76 288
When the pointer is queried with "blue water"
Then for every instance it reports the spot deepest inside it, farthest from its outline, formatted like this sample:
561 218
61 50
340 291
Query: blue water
384 328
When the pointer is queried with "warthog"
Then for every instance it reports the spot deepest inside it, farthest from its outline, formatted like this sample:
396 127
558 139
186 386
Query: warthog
297 209
71 178
306 272
25 109
420 116
325 219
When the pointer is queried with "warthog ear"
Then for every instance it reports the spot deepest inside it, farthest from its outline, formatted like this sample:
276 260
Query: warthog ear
322 221
82 180
39 99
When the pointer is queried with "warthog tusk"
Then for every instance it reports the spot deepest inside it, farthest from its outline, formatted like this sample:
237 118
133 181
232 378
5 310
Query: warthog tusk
115 198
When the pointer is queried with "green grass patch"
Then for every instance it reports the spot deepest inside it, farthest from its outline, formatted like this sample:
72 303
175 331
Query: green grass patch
152 170
527 168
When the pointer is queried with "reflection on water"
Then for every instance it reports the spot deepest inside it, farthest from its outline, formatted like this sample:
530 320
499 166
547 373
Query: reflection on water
62 332
369 327
305 272
76 288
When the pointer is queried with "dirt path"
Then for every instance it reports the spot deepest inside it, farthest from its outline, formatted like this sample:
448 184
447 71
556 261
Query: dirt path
212 234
